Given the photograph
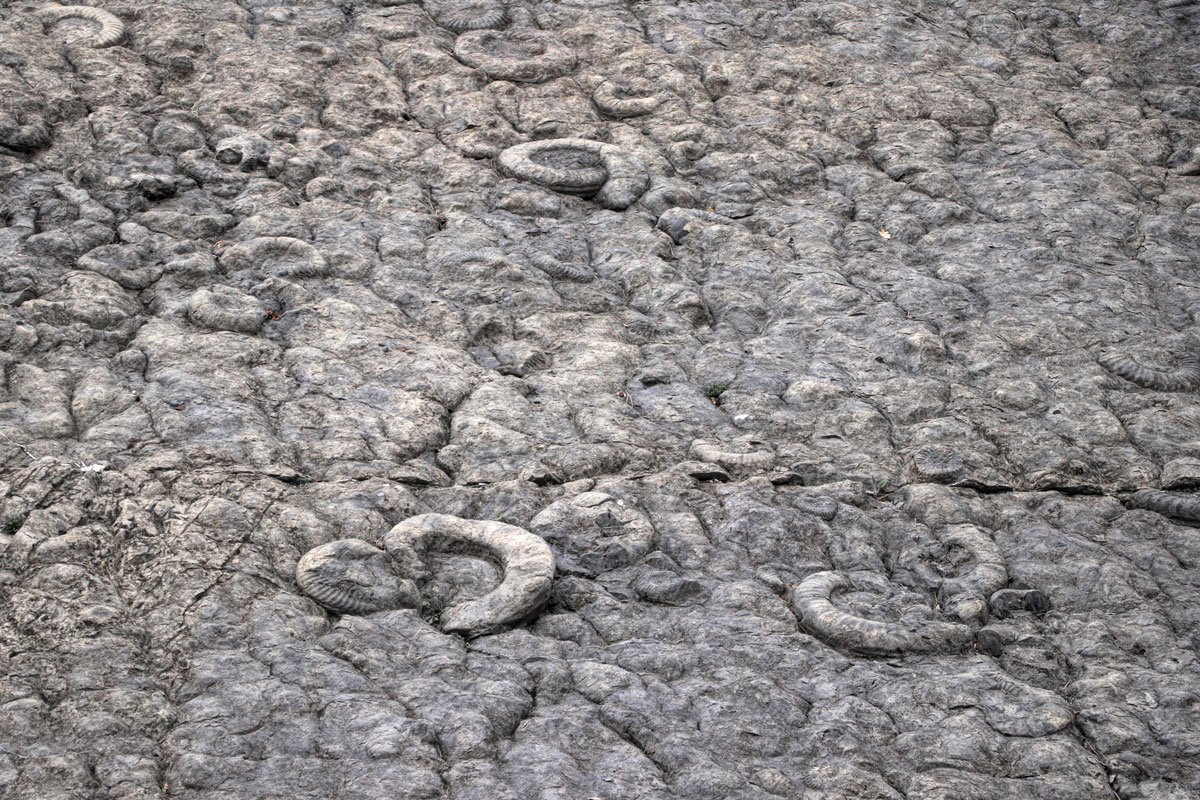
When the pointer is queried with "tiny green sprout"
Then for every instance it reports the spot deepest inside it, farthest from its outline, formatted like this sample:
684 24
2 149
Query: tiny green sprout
715 390
12 524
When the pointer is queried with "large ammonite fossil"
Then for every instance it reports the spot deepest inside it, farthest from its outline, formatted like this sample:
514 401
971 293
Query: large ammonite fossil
612 176
351 576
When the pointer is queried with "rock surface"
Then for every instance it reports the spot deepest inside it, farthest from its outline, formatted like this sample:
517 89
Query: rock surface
847 313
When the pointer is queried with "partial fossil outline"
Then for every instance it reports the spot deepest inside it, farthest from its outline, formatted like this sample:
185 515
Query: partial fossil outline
1169 504
1010 707
111 27
120 263
520 55
750 453
300 259
825 508
1185 377
526 560
812 601
19 133
966 597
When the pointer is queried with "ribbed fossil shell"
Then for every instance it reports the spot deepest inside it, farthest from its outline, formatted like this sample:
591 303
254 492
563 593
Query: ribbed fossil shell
937 464
1185 377
812 601
224 308
520 55
626 98
525 559
1170 504
111 27
746 453
561 258
825 508
276 255
350 576
579 166
461 17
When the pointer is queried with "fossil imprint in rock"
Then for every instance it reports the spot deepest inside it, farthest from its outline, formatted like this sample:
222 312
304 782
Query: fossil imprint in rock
351 576
521 56
580 167
111 27
812 601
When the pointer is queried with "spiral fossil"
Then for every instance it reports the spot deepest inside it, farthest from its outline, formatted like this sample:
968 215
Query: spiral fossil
1183 378
1169 504
519 55
561 258
350 576
525 559
812 602
111 27
625 98
936 464
580 167
227 309
469 16
276 255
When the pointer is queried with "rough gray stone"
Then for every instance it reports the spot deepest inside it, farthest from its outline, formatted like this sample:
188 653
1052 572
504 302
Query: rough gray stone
714 301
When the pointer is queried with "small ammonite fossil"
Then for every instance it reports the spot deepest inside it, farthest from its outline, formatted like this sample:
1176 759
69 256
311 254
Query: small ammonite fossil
351 576
225 308
626 98
615 179
461 16
520 55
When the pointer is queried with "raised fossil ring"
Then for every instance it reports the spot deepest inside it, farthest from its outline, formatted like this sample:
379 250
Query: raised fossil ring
351 576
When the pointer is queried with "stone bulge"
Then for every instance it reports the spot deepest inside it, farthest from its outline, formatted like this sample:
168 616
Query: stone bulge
698 400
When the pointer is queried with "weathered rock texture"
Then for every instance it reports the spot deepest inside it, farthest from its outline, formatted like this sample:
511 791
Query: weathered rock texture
844 359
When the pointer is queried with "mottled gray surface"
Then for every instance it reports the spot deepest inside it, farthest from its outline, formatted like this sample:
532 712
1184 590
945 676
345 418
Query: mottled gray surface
905 294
